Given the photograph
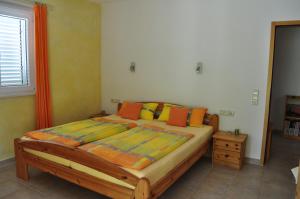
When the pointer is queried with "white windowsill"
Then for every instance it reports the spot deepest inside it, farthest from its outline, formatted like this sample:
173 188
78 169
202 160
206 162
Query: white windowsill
17 94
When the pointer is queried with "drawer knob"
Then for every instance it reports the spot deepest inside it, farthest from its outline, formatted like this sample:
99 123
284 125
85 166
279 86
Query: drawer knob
226 156
236 144
227 145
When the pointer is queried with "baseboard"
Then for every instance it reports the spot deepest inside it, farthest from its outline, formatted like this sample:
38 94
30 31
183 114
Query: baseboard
252 161
6 162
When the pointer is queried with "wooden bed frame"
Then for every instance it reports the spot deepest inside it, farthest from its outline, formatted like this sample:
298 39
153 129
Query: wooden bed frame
142 190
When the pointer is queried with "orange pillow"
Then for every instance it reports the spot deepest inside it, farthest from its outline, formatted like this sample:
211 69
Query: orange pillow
178 116
197 116
130 110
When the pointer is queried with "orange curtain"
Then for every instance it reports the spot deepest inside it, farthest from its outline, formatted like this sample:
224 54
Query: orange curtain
43 98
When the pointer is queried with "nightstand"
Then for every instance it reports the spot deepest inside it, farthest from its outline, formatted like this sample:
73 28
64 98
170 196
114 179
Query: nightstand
101 114
229 149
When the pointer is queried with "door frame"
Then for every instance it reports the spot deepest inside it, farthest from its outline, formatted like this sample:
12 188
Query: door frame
274 25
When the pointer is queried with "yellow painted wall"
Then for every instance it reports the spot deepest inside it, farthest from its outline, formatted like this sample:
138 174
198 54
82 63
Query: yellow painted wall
74 49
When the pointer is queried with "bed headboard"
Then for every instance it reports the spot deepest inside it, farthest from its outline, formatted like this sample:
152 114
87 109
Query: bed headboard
210 119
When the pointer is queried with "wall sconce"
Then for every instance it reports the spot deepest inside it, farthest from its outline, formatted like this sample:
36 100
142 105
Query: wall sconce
132 67
199 68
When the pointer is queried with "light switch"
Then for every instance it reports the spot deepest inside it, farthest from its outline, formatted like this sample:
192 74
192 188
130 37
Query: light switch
254 97
255 92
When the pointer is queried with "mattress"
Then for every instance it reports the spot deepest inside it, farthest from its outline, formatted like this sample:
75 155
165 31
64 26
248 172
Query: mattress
155 171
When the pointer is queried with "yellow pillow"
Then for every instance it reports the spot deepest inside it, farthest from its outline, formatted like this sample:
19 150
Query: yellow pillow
164 115
148 111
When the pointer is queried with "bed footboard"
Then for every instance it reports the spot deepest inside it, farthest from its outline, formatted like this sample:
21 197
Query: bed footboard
25 159
21 164
142 188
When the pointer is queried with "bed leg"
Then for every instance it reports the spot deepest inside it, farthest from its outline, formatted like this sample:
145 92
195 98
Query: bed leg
21 166
142 190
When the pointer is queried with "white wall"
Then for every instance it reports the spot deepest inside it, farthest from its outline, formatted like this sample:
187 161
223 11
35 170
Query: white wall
286 74
166 38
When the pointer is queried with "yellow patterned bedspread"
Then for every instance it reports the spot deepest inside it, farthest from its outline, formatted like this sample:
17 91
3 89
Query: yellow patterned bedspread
81 132
139 147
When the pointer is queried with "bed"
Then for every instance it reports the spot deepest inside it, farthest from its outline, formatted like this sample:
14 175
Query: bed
104 177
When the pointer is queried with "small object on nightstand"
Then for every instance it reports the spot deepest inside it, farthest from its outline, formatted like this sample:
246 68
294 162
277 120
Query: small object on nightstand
101 114
229 149
236 131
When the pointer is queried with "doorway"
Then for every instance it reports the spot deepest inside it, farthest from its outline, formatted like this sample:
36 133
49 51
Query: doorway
279 29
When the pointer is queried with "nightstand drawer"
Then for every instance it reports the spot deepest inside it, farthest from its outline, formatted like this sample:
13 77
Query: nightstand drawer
227 156
227 145
226 163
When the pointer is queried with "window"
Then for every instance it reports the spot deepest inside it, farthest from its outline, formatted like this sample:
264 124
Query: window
16 50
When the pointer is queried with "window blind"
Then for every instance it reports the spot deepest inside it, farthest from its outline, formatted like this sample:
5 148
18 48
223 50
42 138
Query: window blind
13 52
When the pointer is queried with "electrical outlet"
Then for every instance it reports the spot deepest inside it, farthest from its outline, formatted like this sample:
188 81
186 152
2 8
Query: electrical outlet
115 101
227 113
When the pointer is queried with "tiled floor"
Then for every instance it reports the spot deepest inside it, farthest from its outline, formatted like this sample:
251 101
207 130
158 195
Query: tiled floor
201 182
